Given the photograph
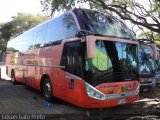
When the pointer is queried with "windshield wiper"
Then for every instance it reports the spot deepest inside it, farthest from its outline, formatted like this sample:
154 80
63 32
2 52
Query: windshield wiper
105 75
108 74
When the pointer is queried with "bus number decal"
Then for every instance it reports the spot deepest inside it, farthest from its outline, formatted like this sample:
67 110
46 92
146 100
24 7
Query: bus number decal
71 84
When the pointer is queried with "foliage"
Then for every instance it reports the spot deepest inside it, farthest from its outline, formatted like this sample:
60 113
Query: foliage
145 13
24 21
52 6
17 26
5 34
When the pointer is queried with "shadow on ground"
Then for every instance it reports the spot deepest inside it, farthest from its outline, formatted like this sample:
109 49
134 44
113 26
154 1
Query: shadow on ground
21 99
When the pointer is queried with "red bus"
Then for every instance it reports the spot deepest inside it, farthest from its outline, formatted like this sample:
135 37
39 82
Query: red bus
85 57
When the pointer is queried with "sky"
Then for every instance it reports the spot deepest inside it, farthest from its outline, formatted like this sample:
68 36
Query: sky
10 8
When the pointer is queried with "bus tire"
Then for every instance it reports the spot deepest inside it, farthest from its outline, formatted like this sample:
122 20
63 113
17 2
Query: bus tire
13 80
47 90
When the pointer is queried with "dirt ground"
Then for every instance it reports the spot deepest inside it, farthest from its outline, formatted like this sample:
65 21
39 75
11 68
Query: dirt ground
19 99
146 108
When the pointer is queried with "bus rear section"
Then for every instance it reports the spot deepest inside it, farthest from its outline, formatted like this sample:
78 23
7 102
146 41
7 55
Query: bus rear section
79 65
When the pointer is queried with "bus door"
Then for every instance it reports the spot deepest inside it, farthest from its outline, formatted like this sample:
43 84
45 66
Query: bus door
72 60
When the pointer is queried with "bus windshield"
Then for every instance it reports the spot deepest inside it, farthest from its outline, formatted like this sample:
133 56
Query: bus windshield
146 60
105 25
114 62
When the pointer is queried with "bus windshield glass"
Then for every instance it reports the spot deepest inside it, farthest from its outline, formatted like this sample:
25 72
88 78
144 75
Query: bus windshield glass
146 60
105 25
114 62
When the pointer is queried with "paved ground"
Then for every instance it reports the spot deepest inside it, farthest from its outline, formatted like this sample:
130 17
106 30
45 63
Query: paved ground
21 99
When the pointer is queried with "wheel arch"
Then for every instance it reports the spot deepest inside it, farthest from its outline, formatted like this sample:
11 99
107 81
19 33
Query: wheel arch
42 80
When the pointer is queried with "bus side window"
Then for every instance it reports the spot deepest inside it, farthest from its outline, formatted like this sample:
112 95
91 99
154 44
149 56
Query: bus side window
40 36
70 26
72 58
61 28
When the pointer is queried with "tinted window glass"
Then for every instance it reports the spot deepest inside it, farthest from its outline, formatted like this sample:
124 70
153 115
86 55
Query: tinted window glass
70 25
113 62
12 46
55 30
40 36
72 57
101 61
29 40
21 43
103 24
58 29
61 28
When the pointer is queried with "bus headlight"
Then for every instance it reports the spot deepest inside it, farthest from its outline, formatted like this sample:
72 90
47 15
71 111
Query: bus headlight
94 93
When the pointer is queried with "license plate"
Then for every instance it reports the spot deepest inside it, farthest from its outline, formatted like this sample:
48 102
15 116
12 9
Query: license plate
121 101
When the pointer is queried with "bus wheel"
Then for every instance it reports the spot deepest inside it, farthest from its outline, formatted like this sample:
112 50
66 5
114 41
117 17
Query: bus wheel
47 90
13 78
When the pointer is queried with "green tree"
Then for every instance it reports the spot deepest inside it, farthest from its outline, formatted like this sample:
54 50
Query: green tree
20 23
146 15
5 35
24 21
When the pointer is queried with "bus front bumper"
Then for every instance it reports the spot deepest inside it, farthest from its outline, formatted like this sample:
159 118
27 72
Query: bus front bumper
147 86
110 100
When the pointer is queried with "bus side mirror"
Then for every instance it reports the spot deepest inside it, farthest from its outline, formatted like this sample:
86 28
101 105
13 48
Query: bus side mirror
155 50
91 47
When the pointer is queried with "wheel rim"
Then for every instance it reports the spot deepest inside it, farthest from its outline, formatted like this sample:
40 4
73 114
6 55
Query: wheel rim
47 89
